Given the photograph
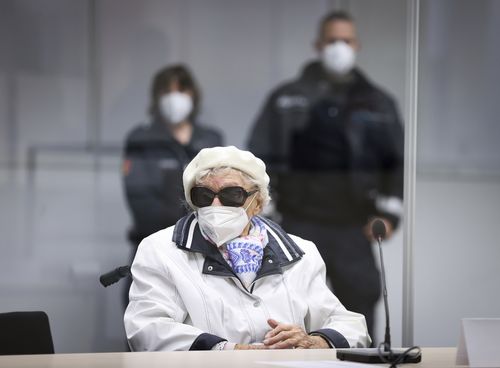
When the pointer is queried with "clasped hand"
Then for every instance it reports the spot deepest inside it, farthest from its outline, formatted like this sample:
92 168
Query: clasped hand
286 336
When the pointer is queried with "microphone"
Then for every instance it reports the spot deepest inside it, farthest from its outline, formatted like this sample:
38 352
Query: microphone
109 278
387 354
378 230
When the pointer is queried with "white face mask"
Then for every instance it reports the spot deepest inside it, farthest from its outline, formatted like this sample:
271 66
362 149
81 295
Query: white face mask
176 106
222 223
338 57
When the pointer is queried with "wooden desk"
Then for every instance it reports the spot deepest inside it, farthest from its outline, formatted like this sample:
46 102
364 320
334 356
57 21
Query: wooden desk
431 357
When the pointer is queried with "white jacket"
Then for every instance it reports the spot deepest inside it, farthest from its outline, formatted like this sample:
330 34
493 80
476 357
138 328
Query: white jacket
184 295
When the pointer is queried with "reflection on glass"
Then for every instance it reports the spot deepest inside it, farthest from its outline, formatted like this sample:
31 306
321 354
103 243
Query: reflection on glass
334 142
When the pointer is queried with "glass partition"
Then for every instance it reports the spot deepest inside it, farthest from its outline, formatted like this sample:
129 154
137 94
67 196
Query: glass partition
75 79
457 248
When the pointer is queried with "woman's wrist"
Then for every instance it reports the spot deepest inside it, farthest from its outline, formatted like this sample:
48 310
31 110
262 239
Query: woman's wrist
224 345
249 347
319 342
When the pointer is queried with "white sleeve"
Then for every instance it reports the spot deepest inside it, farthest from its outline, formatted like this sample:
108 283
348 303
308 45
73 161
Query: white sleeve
155 316
327 316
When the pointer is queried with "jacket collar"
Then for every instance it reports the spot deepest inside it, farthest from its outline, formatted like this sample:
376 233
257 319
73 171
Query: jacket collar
315 72
280 251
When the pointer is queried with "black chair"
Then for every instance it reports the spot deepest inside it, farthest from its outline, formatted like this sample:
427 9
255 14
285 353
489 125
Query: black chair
25 333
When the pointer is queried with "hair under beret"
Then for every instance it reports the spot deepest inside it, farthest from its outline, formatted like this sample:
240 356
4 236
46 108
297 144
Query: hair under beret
230 156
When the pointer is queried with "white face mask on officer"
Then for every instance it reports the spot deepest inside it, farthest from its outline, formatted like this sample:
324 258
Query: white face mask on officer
338 58
222 223
176 106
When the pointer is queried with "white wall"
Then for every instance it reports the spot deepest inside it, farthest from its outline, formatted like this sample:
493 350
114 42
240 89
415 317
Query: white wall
457 255
458 129
43 74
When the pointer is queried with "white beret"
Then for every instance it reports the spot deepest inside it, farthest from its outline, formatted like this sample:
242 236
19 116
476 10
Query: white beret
230 156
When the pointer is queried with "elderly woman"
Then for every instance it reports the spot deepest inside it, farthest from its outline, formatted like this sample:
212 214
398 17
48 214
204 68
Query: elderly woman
226 278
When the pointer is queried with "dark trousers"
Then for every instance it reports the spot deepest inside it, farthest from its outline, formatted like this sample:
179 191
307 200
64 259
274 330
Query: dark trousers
350 264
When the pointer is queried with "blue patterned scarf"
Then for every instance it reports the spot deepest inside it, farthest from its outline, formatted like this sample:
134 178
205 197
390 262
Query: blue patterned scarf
245 253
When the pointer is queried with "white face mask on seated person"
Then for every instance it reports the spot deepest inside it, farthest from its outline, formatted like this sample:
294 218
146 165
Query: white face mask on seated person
338 58
221 224
176 106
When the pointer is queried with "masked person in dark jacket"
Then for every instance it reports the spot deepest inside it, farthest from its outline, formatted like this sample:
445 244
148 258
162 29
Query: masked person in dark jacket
156 153
334 144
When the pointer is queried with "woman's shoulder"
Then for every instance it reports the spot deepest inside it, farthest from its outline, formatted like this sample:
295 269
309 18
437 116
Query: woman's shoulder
207 136
308 247
158 251
140 135
160 241
301 242
138 130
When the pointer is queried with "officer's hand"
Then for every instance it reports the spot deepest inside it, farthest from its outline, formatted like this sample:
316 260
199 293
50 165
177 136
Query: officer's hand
368 228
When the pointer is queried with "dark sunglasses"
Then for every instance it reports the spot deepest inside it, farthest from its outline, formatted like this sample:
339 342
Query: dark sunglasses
229 196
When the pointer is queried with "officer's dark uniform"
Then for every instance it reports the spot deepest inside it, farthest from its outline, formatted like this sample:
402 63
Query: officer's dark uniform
335 153
152 176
